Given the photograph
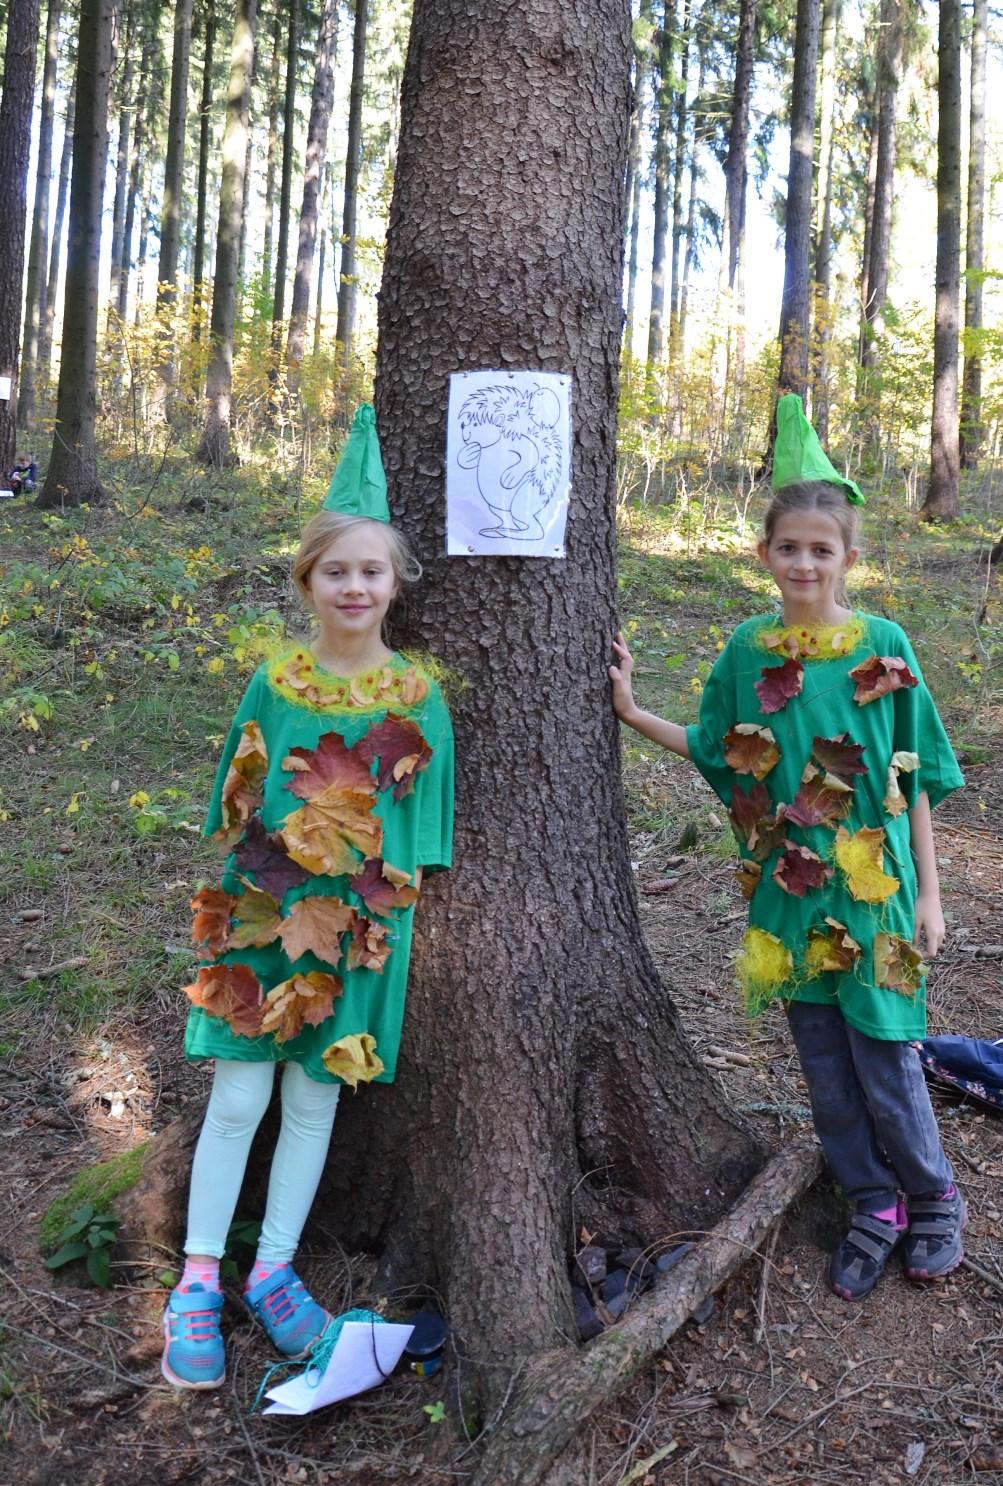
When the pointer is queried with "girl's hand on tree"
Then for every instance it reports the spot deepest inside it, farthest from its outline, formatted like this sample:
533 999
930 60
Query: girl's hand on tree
930 925
623 695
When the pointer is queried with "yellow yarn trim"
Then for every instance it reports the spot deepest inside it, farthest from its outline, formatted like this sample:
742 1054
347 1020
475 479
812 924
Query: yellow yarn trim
813 641
764 966
296 676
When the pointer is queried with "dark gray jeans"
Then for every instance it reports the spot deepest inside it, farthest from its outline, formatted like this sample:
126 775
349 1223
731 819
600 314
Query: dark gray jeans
871 1108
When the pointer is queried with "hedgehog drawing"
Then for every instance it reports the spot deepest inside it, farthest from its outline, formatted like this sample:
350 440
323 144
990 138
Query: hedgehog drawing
510 438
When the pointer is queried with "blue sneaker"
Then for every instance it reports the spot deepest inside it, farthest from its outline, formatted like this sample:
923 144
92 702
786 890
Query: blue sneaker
287 1311
193 1352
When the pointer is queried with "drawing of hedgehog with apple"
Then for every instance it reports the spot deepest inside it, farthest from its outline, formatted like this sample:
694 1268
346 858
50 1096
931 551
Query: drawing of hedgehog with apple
510 438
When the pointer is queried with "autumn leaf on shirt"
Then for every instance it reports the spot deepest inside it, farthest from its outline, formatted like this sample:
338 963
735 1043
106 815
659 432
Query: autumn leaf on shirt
231 992
878 675
315 926
401 749
754 823
244 782
211 922
414 688
778 684
831 948
258 918
821 800
328 832
266 857
839 756
901 763
898 965
368 949
799 870
750 749
328 765
301 1001
353 1059
383 888
861 858
748 876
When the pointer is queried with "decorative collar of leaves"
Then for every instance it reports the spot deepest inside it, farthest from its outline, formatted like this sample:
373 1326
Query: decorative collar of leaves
812 641
296 676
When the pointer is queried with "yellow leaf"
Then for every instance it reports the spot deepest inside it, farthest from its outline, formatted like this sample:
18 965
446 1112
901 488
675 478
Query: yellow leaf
328 832
353 1059
258 918
861 858
74 804
216 665
139 800
830 949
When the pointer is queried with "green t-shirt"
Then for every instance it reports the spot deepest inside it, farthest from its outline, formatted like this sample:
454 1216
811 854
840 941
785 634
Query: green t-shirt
833 921
398 814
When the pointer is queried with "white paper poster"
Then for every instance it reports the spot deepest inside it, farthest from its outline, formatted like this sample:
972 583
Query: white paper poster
6 385
508 463
363 1355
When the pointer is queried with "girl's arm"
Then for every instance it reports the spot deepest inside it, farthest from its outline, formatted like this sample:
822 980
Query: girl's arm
929 913
667 734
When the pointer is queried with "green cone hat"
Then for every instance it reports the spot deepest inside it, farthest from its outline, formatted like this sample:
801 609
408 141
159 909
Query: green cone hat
359 486
798 456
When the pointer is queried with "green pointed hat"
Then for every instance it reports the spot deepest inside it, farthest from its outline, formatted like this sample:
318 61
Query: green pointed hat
359 486
798 455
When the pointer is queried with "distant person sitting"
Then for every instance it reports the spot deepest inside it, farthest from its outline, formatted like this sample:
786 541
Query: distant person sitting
24 475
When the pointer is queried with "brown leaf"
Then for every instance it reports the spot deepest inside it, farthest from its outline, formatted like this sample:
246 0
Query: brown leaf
315 926
328 765
754 823
748 875
383 888
839 756
901 763
211 924
750 749
301 1001
800 870
898 965
878 675
414 688
831 948
779 683
266 856
820 801
400 747
231 992
258 918
326 832
244 781
368 949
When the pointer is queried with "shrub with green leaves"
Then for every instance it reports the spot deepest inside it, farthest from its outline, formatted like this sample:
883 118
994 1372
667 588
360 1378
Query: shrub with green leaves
90 1236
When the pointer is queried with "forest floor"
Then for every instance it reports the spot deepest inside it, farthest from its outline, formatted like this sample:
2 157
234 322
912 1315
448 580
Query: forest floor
783 1384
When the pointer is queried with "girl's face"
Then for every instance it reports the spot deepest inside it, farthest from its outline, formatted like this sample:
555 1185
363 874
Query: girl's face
352 585
808 562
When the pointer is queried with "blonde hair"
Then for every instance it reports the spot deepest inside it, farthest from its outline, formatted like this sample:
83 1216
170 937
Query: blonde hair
329 526
815 495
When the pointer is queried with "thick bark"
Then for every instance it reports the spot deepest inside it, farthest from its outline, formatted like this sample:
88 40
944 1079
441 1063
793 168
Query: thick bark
353 161
736 168
660 228
823 218
15 142
38 246
205 123
214 445
635 157
122 162
271 158
534 984
971 382
942 501
72 474
170 216
316 155
45 344
879 243
285 193
795 309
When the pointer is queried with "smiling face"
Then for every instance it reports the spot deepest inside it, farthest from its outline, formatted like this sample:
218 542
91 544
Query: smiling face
808 560
351 586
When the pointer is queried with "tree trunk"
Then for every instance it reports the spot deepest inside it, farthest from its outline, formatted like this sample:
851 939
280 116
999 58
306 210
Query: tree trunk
942 501
316 155
285 193
201 189
134 197
795 309
675 283
598 1113
691 210
971 383
736 168
38 246
660 230
214 445
121 164
353 161
635 159
45 345
869 194
889 76
321 263
271 158
823 219
248 184
170 218
15 145
72 475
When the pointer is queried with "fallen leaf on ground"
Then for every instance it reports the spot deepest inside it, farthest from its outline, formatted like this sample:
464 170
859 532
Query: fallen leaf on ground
778 684
879 675
751 749
861 857
354 1059
231 992
301 1001
211 923
315 926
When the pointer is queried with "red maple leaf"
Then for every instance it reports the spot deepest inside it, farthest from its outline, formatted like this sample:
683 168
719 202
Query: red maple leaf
401 749
878 675
821 800
753 821
266 858
778 684
212 909
232 992
839 756
382 887
750 749
313 770
799 870
368 949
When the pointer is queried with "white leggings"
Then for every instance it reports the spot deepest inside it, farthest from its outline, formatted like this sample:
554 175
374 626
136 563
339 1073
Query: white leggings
239 1098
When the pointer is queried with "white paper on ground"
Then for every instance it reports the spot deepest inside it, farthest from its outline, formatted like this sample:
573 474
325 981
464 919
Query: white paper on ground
361 1351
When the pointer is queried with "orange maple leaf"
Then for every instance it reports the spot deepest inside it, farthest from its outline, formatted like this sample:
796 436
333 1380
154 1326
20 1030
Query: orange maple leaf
751 749
748 876
301 1001
315 926
878 675
353 1059
232 992
244 782
212 909
326 833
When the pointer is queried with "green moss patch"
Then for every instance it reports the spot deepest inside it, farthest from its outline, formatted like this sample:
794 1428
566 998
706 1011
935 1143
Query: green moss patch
99 1185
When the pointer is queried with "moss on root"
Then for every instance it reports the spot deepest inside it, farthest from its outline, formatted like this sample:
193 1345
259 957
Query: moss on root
98 1185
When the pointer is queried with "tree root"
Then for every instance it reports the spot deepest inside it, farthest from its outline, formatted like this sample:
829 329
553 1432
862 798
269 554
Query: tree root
562 1390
